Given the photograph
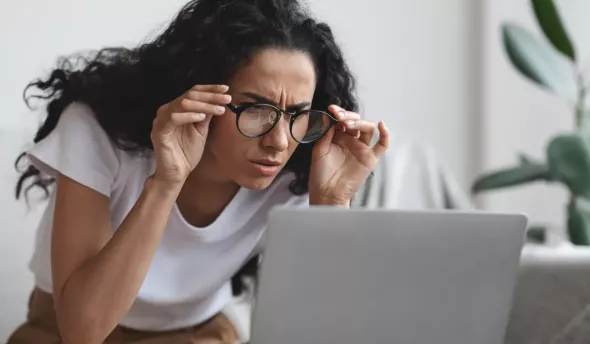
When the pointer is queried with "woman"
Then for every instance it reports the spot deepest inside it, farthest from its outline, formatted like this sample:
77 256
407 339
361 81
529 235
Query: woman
167 159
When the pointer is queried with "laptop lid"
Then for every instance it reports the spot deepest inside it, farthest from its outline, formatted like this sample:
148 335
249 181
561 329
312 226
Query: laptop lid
332 276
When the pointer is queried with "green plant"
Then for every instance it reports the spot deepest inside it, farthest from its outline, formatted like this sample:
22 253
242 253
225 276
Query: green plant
551 64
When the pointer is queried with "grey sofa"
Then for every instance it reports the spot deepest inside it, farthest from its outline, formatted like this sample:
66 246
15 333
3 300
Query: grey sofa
551 303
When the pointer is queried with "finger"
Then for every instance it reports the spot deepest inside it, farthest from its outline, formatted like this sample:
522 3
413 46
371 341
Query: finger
211 88
178 119
343 115
189 105
383 143
366 129
367 136
209 97
341 129
353 132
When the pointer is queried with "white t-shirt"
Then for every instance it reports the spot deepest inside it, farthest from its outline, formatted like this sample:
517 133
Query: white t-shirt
189 277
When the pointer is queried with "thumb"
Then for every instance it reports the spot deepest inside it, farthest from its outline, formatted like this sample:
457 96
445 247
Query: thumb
203 126
322 146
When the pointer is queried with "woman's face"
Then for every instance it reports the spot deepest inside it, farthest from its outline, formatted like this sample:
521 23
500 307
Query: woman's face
282 78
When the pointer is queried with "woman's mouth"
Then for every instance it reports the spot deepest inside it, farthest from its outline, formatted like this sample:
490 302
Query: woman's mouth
267 168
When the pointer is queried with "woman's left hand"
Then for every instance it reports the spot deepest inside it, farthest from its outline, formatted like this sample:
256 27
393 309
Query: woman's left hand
343 159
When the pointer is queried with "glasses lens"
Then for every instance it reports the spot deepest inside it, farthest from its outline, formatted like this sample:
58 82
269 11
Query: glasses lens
310 126
257 120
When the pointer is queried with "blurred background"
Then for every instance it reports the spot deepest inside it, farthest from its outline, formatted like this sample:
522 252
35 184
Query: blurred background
434 70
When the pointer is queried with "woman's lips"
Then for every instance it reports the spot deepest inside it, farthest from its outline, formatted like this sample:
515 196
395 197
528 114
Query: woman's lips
268 169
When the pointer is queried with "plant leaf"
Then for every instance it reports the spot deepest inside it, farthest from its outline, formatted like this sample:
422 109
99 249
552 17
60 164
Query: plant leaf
538 62
525 173
578 223
550 22
569 161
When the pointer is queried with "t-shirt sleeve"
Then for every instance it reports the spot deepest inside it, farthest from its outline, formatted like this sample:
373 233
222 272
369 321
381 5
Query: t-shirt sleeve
78 148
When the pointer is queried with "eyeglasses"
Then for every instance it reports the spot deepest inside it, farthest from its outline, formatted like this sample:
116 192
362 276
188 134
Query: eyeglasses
257 119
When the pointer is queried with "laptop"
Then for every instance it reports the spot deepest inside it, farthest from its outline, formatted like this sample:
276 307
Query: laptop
331 276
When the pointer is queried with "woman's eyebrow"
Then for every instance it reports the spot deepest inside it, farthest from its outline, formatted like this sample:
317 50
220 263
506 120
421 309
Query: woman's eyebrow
261 99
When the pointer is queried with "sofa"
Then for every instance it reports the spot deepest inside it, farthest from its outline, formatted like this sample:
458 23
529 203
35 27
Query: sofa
551 302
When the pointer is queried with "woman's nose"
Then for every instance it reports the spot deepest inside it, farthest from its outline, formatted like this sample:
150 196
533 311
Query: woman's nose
278 137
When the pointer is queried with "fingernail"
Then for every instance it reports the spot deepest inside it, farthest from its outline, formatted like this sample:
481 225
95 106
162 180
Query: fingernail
342 114
224 88
350 123
200 116
219 109
226 98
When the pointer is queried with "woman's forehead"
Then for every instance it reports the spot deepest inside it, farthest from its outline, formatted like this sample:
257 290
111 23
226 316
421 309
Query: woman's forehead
274 74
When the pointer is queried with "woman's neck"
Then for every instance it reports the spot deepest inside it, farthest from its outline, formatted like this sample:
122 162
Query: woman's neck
205 194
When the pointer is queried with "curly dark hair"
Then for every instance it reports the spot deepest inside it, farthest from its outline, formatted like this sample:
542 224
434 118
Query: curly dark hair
206 43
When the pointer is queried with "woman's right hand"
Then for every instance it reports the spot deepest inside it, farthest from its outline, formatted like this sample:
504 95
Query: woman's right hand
180 130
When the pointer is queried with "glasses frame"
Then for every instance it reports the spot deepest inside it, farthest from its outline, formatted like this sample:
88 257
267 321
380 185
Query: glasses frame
238 110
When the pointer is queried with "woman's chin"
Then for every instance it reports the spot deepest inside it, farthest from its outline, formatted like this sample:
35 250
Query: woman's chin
259 183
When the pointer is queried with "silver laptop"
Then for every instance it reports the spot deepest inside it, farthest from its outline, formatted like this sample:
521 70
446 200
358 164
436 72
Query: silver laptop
332 276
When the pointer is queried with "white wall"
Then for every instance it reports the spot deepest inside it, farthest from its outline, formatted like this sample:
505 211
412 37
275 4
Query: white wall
414 60
517 115
416 68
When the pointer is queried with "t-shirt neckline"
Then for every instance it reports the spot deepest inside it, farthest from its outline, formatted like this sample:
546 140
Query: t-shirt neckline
219 227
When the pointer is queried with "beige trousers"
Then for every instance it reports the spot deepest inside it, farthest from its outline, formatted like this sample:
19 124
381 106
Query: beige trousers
41 328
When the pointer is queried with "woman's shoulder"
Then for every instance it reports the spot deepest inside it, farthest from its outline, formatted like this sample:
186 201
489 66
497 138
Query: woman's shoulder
79 122
77 119
81 149
78 125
